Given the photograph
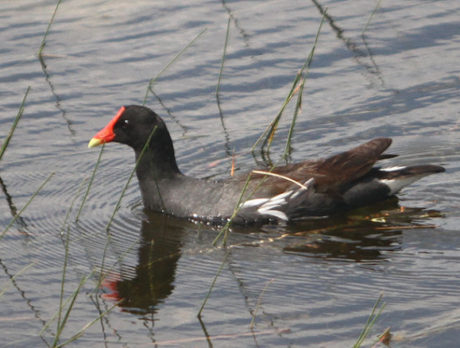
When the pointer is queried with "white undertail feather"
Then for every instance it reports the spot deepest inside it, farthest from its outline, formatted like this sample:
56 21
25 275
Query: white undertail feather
392 169
273 204
396 185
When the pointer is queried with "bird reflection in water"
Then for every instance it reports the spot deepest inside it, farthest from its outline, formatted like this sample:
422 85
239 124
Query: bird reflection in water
364 234
152 280
368 234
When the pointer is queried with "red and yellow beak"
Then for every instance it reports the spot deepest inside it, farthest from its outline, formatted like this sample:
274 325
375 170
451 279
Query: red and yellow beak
106 134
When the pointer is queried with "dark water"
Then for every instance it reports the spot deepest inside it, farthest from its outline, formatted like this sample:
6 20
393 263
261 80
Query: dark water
312 284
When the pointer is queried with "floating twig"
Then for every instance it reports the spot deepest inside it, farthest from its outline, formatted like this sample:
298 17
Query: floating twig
263 172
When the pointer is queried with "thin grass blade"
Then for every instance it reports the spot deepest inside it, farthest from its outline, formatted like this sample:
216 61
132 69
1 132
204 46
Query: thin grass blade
259 301
90 183
298 108
377 6
225 229
171 62
74 296
224 54
370 321
82 331
212 284
267 136
48 28
21 271
15 123
123 191
26 205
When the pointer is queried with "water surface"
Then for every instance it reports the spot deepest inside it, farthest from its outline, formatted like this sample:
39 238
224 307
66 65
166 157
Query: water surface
311 284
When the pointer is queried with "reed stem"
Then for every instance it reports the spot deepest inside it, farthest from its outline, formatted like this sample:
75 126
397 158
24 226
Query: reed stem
26 205
48 28
15 123
171 62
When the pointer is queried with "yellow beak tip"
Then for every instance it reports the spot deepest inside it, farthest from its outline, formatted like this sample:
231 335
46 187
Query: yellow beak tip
94 142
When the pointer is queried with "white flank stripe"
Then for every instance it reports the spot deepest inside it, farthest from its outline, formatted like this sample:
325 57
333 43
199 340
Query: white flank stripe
271 206
254 202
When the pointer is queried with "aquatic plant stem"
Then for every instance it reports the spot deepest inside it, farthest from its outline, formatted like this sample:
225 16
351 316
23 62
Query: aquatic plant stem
50 23
298 107
15 123
82 331
219 82
90 182
66 254
225 229
377 6
224 54
12 279
26 205
211 287
62 324
259 301
171 62
118 204
268 134
370 321
123 191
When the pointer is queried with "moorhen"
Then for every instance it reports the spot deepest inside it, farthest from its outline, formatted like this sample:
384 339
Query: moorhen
299 190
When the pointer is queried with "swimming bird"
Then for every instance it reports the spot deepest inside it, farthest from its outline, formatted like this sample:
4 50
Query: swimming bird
282 194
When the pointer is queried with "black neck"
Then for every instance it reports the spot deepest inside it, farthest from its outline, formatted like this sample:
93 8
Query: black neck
158 160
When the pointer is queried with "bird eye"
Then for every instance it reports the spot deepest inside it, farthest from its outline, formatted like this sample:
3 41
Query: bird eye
125 124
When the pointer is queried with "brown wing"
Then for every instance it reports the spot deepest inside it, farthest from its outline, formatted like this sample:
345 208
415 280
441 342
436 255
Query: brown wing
351 165
333 172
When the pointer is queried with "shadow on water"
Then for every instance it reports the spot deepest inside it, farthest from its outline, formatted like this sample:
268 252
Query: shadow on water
363 235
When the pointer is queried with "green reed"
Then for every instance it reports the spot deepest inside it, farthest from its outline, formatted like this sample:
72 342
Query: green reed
377 6
375 314
48 28
259 301
224 230
297 85
15 123
90 183
61 324
26 205
171 62
213 283
13 278
224 54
